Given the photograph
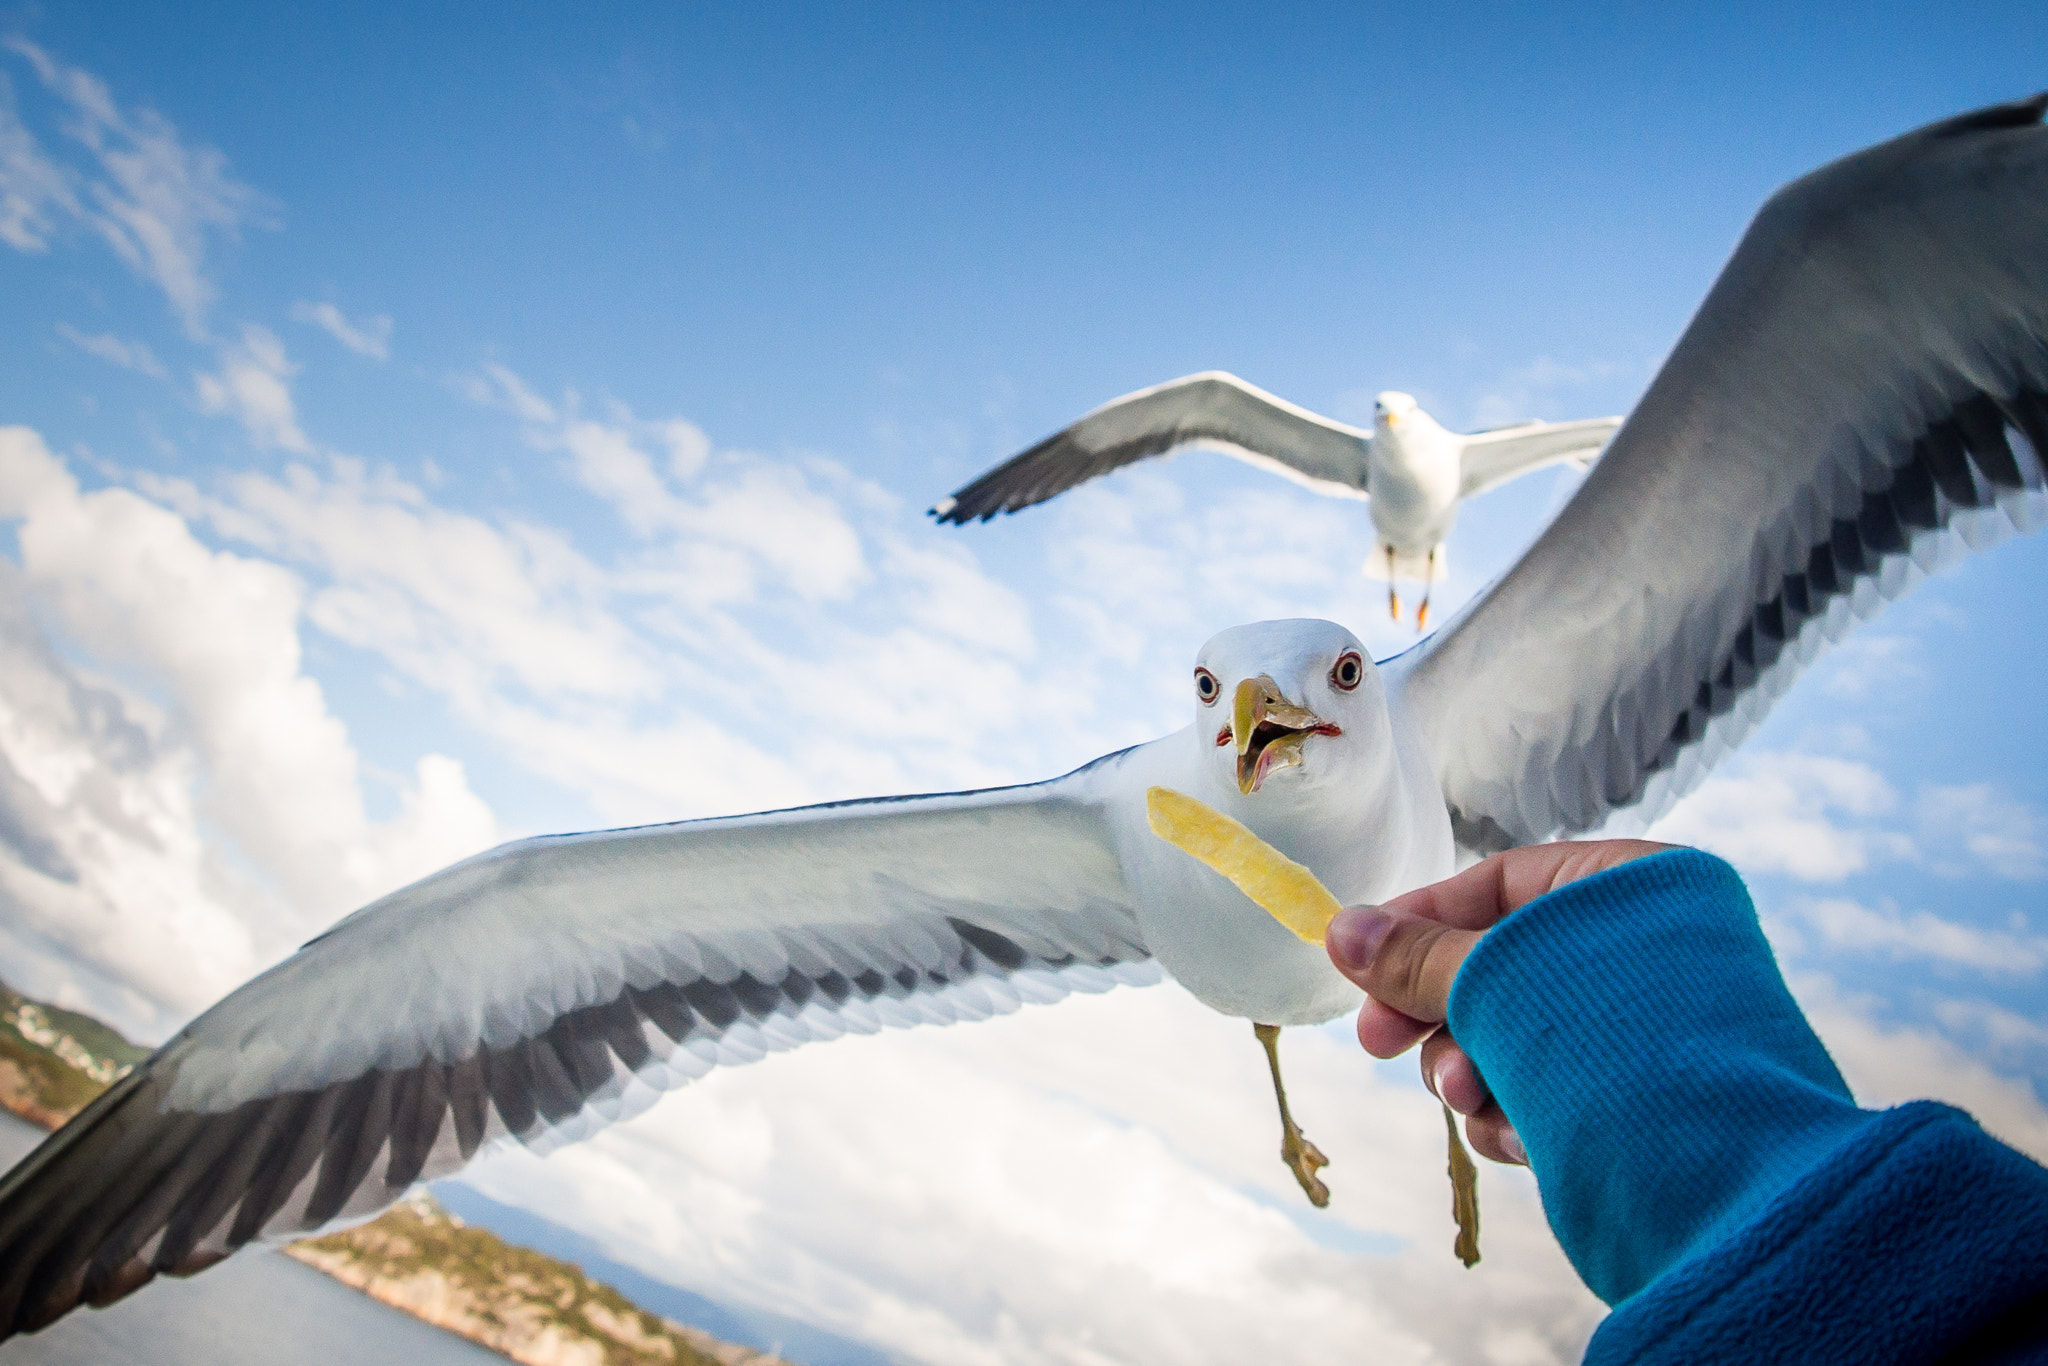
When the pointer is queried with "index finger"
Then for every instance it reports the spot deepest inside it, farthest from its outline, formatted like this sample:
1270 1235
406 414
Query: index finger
1480 896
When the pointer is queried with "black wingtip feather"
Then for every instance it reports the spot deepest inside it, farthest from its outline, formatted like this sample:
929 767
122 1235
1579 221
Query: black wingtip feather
304 1118
511 1086
2013 114
418 1107
83 1181
1943 465
469 1103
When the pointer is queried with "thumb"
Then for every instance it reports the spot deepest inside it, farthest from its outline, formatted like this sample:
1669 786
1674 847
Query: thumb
1403 961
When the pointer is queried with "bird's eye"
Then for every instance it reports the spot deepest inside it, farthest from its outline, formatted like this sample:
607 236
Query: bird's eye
1206 686
1348 672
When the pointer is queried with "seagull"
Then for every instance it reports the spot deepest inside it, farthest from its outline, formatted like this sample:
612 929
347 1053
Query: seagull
1861 399
1413 470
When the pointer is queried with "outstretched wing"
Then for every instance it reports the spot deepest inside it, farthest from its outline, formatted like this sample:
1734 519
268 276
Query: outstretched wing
1212 409
544 988
1490 459
1860 397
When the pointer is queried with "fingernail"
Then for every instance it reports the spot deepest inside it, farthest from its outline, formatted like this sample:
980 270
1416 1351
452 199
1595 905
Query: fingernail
1437 1079
1513 1143
1356 934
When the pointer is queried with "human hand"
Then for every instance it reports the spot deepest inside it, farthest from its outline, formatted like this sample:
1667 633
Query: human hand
1407 952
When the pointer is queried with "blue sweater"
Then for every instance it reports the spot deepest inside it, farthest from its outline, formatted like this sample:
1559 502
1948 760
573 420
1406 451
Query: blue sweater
1702 1162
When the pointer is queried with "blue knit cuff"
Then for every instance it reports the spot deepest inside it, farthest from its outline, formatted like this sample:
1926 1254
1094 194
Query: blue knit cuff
1636 1029
1919 1239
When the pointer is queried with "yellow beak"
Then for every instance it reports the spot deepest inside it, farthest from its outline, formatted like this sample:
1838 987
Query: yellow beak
1259 702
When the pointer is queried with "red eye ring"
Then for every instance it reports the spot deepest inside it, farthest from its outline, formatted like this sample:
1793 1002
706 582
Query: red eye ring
1207 688
1348 672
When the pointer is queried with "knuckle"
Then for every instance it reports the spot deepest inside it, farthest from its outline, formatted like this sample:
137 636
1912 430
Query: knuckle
1400 971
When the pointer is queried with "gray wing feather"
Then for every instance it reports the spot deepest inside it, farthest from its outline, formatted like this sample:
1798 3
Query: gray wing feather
1212 409
1859 399
535 992
1490 459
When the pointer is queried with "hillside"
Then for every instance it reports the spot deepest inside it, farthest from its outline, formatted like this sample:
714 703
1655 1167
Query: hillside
53 1061
416 1257
530 1307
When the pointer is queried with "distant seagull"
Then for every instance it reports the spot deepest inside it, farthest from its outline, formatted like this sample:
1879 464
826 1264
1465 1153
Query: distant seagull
1414 471
1859 399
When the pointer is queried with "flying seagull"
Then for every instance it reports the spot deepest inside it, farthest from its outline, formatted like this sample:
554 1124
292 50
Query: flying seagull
1413 470
1862 396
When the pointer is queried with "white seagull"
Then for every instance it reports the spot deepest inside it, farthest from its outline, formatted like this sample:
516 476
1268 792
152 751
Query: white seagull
1859 399
1414 472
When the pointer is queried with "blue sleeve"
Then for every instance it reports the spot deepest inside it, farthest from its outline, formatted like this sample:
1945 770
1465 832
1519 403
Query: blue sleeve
1701 1160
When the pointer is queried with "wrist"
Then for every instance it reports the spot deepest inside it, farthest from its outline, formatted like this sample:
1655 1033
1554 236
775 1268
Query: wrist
1637 1032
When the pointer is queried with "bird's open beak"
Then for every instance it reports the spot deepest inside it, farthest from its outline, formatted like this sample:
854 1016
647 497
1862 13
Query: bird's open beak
1269 730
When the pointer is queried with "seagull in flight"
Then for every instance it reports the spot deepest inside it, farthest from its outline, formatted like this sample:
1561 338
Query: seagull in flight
1412 469
1861 398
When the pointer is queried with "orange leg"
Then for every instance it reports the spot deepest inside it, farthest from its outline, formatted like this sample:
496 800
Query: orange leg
1393 599
1428 578
1302 1157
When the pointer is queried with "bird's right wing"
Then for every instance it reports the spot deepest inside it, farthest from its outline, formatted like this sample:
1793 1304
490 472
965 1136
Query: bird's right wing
1861 398
1209 409
1490 459
546 987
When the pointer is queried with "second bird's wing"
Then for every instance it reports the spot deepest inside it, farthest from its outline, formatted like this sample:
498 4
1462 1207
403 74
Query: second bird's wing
1210 409
546 987
1862 396
1490 459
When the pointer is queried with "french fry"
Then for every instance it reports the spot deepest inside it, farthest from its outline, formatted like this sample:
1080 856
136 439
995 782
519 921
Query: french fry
1292 895
1282 888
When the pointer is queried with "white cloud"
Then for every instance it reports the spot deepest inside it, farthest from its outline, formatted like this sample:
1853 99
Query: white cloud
1850 926
114 901
1532 391
750 514
1870 664
1961 827
108 347
2003 1034
680 677
498 387
33 189
1886 1064
1110 1163
1820 818
1773 812
153 199
141 797
371 337
254 388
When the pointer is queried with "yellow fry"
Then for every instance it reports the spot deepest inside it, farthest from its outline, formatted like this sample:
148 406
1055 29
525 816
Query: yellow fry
1282 888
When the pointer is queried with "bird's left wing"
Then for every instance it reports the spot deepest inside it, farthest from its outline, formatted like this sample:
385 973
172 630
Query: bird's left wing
545 987
1862 396
1209 409
1490 459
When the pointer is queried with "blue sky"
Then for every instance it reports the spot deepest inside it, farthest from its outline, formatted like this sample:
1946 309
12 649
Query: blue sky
449 425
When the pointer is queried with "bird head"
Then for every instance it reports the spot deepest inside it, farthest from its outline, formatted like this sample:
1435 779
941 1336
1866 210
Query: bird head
1392 408
1296 697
